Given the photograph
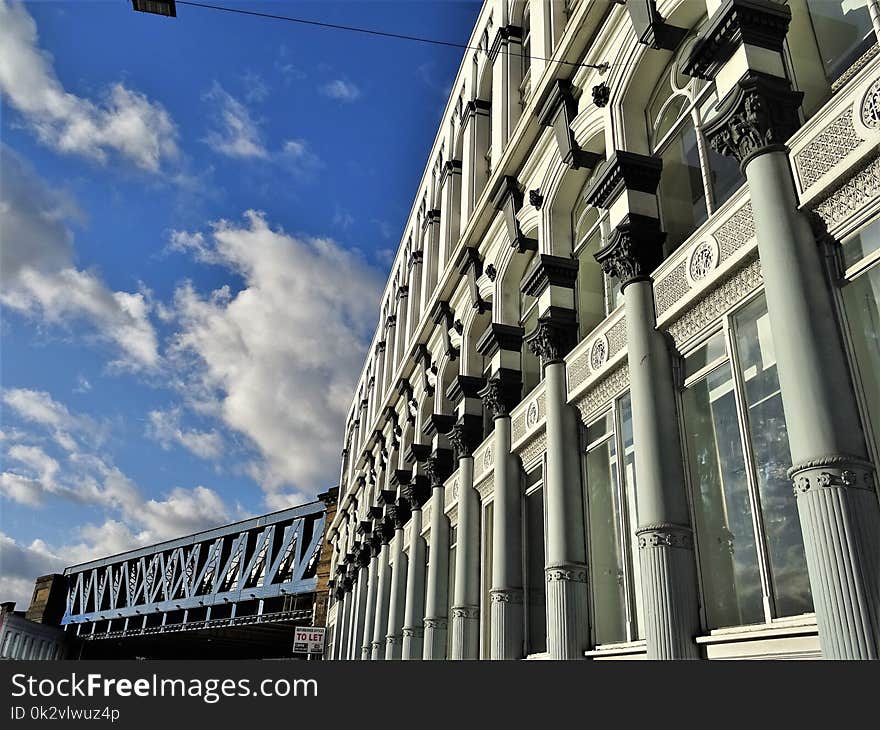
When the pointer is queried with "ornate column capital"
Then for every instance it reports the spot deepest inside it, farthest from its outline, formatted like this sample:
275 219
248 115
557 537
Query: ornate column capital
503 36
415 258
399 513
634 249
554 336
828 472
465 435
502 393
438 467
417 492
758 115
665 534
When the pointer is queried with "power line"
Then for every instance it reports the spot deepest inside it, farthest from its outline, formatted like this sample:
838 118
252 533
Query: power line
385 34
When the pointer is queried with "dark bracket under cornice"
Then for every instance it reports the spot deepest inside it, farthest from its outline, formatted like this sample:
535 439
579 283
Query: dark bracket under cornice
507 197
470 265
443 315
650 26
557 109
438 423
418 452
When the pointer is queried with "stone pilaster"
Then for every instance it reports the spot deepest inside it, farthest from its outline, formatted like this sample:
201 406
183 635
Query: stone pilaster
666 555
832 475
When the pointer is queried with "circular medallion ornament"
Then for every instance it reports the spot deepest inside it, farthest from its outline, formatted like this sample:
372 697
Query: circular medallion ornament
532 414
870 111
703 259
455 489
487 458
599 352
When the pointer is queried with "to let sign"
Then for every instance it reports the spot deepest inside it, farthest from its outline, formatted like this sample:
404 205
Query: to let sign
308 640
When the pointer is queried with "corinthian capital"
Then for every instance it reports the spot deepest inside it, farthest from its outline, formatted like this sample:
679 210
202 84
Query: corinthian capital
758 115
502 393
554 336
634 249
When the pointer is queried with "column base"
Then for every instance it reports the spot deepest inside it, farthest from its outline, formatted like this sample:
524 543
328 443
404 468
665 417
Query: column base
435 638
393 646
840 520
465 632
669 591
567 611
378 651
366 652
413 639
507 623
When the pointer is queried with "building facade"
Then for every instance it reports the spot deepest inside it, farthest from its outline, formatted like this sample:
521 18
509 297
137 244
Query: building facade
623 397
23 638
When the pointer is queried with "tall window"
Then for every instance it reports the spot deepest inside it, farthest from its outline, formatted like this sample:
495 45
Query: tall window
486 581
450 599
843 32
613 516
526 42
597 294
751 553
533 563
696 180
528 320
861 301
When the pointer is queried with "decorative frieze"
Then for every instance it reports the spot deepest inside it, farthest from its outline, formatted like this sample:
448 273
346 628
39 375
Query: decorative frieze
533 449
857 192
606 389
827 148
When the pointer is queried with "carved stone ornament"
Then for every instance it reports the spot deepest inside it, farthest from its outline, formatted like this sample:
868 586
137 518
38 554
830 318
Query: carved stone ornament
634 249
566 573
870 107
665 535
436 623
601 94
500 396
838 471
599 352
491 272
536 200
467 612
506 595
756 116
703 260
413 632
554 336
532 414
488 458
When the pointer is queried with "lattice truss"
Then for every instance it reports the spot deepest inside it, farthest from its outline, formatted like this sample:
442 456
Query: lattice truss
263 561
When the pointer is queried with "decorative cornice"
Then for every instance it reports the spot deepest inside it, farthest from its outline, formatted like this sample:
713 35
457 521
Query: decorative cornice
758 23
500 337
624 171
758 115
549 271
502 393
634 249
555 335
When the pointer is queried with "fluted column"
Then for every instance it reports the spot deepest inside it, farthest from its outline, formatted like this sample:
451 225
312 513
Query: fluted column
832 473
394 636
383 595
437 599
466 596
366 644
666 552
450 205
501 394
363 593
552 281
338 640
400 342
416 492
414 292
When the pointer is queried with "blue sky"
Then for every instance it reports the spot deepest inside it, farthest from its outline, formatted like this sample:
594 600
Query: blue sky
197 218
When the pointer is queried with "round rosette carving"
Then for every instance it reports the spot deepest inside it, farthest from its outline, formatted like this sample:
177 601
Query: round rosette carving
599 352
703 259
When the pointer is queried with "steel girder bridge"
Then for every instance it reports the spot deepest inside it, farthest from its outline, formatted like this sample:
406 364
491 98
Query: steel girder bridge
235 590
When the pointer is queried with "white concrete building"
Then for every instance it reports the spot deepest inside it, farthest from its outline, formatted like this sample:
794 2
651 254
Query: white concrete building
623 400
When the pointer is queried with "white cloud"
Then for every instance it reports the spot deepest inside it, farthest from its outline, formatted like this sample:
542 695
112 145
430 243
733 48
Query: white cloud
256 89
39 279
236 133
123 122
164 427
38 407
20 564
340 90
281 355
298 158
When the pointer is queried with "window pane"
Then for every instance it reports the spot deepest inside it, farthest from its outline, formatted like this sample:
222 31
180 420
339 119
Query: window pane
861 300
726 538
590 286
843 32
865 242
531 365
536 599
714 349
769 440
606 544
726 174
632 508
682 195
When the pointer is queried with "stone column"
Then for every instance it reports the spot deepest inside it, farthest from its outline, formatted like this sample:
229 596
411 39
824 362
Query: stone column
552 282
394 638
383 592
466 595
476 123
505 57
363 593
832 474
416 492
414 296
400 342
366 645
437 599
628 183
339 627
502 344
390 350
431 260
450 204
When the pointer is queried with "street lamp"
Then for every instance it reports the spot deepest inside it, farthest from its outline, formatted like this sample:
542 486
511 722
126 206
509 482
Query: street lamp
167 8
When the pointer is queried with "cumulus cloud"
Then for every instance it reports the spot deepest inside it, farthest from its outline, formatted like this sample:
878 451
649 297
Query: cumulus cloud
164 427
38 407
122 122
340 90
281 355
38 277
235 132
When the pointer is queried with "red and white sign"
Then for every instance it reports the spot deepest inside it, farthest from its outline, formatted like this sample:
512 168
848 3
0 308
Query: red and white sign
308 640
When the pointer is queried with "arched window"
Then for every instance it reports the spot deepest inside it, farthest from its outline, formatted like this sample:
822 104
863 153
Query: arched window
696 180
597 294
